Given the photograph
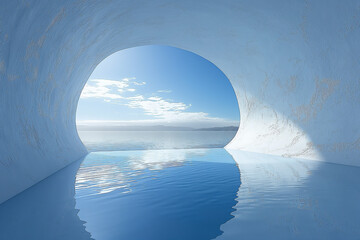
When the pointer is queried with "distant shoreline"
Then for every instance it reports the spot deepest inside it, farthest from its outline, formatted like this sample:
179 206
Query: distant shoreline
152 128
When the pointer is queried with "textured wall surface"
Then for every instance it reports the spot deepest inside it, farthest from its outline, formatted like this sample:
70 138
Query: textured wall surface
294 65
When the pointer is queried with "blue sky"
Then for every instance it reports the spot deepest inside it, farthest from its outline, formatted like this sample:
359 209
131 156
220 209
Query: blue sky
157 85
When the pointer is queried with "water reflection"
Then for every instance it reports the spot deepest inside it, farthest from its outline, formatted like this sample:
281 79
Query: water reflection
104 172
44 211
188 194
158 194
283 198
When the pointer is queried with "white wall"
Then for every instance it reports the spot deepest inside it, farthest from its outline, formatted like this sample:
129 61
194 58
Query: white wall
294 66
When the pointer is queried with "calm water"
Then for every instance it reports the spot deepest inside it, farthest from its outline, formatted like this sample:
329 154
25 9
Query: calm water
141 140
159 194
188 194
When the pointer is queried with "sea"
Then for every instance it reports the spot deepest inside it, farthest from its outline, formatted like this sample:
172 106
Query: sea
141 185
146 140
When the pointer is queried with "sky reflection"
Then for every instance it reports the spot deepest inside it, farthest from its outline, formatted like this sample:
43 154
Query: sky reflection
190 194
157 194
104 172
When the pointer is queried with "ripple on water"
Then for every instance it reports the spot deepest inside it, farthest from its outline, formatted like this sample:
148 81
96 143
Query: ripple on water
157 194
188 194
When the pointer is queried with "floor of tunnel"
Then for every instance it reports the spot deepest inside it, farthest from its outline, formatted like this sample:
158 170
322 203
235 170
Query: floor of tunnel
188 194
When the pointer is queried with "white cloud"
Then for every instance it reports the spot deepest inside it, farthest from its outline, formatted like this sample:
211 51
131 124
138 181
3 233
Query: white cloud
171 111
139 83
163 111
158 107
154 98
97 91
129 79
108 89
137 97
164 91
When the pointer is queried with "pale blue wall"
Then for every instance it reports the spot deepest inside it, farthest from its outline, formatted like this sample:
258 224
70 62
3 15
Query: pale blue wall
294 66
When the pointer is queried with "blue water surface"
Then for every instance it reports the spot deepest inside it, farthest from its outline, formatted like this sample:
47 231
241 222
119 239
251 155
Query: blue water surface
158 194
154 194
189 194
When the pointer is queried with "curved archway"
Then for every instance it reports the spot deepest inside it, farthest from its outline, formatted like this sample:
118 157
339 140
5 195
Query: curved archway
296 83
156 97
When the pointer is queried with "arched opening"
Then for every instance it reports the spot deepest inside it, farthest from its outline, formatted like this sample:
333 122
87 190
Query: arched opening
293 65
173 112
157 97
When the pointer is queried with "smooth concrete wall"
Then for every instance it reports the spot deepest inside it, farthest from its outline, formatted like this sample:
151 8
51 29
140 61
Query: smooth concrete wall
295 67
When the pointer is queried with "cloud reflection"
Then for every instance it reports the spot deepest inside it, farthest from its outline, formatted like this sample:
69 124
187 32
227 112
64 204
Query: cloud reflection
160 159
105 172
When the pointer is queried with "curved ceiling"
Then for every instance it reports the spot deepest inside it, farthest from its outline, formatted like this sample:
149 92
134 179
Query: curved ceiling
294 66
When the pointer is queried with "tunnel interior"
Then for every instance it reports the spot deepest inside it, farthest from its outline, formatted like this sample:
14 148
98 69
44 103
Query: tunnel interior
293 65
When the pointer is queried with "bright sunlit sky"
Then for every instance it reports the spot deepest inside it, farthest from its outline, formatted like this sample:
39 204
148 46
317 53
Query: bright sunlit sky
157 85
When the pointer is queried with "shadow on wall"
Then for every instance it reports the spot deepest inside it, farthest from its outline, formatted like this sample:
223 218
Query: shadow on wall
298 82
273 51
45 211
286 198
